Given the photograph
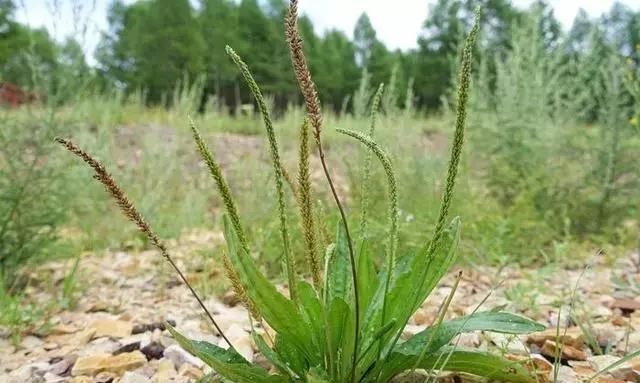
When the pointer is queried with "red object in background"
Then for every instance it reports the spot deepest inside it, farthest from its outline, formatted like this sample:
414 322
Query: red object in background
11 95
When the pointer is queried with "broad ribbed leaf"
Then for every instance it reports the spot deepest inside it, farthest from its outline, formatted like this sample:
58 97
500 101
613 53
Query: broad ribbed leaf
369 353
317 375
341 331
279 312
408 289
338 273
313 313
227 363
438 336
272 356
290 355
367 278
454 359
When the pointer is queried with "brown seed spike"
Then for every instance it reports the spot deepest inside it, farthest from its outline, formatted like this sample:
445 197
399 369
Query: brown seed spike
238 288
133 215
312 102
307 86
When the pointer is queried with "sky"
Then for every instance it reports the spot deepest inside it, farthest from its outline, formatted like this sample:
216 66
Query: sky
398 22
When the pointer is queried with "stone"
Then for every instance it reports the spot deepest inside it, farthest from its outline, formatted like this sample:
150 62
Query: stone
600 362
63 329
572 337
567 375
411 330
99 346
142 328
105 377
89 365
551 349
28 371
421 318
610 335
52 378
231 299
534 363
165 372
30 342
111 328
470 340
128 347
627 306
153 350
63 367
77 339
125 362
180 356
81 379
134 377
607 379
92 365
241 341
582 369
190 371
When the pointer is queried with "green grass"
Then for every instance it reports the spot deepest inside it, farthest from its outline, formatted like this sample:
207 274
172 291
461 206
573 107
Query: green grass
346 328
151 149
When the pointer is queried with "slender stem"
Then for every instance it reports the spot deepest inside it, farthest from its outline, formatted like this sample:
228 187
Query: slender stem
312 102
197 297
134 216
352 257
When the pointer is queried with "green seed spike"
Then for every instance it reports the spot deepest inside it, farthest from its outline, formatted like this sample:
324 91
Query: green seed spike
393 212
375 109
277 167
306 207
393 192
221 184
458 138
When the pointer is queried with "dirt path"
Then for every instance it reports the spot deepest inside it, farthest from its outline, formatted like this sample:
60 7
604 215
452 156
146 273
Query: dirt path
115 333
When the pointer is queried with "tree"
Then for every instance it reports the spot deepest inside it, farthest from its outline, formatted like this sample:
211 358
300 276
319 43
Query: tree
578 36
364 38
263 48
622 29
152 45
217 20
336 84
441 36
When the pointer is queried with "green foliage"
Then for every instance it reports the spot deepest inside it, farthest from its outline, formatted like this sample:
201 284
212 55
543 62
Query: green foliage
131 54
315 329
31 190
319 337
555 134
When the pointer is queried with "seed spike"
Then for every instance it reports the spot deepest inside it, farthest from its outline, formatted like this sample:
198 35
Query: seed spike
134 216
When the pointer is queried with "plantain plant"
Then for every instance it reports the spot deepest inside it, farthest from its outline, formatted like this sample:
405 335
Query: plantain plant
346 324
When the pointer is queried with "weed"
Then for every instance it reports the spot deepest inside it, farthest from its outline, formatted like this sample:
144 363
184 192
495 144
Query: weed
31 187
348 329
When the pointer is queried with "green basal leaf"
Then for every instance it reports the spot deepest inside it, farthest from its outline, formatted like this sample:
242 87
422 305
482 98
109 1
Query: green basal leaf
317 375
313 313
341 329
367 278
290 355
209 378
454 359
408 290
338 273
227 363
369 355
279 312
272 356
441 335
